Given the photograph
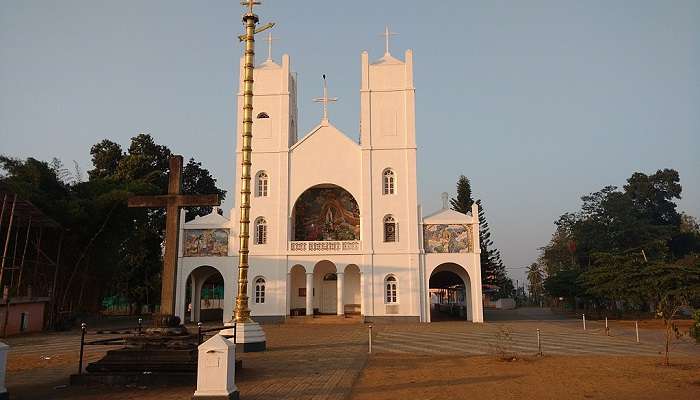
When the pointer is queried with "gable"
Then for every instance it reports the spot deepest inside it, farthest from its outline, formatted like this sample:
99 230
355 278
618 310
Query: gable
325 156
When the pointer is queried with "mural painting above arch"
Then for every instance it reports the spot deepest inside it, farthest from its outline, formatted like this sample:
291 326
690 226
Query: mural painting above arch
447 238
326 213
206 243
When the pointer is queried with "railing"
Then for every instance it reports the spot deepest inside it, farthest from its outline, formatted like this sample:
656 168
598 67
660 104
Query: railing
115 341
202 332
325 246
124 333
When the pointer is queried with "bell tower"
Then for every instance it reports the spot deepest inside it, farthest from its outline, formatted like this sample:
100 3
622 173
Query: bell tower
274 132
388 143
275 105
387 109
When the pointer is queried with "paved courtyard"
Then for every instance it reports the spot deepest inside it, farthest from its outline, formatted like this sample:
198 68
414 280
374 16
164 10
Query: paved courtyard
322 359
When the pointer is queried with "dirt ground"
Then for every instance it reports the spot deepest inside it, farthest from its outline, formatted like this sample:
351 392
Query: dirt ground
401 376
682 324
307 361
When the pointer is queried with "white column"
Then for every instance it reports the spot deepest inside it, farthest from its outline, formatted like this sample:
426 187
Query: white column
193 298
340 304
197 309
363 302
289 293
309 293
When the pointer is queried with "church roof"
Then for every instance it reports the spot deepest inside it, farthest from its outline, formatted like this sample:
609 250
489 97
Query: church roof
387 59
448 216
268 64
324 128
211 220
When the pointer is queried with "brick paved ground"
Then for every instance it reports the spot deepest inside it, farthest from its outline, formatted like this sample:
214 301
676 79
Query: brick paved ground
322 360
308 361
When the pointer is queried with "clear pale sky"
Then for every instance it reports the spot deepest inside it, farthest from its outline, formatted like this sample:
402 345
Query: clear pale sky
537 102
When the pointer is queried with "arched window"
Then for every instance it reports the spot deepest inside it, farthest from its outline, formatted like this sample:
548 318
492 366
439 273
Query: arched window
389 181
391 229
263 115
391 289
259 290
260 231
261 184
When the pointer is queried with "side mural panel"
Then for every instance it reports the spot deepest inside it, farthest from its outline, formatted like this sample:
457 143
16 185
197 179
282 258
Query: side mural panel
443 238
206 243
326 214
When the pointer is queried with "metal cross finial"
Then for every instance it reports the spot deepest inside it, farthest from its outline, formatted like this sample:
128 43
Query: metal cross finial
250 4
325 99
269 45
387 33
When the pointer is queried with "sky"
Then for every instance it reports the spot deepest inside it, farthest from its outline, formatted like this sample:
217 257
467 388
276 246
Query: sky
538 102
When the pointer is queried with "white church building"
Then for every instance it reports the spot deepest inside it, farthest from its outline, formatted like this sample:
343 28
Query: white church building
336 225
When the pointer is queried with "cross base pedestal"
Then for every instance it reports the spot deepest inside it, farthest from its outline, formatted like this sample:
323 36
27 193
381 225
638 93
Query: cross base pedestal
250 336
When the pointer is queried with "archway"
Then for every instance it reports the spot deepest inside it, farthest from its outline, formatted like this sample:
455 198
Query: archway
325 289
297 288
204 297
352 297
325 212
450 293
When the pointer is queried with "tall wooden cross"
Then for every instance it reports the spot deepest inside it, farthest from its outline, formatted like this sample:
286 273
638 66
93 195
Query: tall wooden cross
172 202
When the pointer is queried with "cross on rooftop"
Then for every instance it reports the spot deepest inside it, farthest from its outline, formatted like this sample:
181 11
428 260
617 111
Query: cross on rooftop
250 4
269 45
325 99
387 33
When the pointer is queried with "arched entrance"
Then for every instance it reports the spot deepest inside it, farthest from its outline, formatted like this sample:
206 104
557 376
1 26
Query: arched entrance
297 294
204 296
325 288
325 212
352 298
450 293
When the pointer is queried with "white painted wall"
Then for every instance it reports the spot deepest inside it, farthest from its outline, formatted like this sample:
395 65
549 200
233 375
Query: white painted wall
327 156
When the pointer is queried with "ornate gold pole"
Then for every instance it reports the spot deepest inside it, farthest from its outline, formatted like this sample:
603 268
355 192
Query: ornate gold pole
242 312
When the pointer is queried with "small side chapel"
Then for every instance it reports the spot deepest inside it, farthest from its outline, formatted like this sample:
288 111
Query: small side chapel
335 224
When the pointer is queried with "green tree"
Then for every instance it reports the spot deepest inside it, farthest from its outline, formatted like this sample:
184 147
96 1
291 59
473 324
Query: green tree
106 156
463 202
616 233
493 271
535 278
109 249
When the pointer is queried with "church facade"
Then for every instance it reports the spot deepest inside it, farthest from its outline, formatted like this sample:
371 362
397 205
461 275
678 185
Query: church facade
336 227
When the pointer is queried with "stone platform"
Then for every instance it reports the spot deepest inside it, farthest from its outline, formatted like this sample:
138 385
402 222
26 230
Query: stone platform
154 358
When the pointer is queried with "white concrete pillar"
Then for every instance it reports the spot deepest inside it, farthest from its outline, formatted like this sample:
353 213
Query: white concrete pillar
309 293
197 298
193 297
216 369
289 293
340 304
363 302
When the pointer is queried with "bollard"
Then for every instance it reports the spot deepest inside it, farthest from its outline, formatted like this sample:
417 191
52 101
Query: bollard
584 321
140 322
199 333
83 330
370 338
539 343
636 329
607 330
